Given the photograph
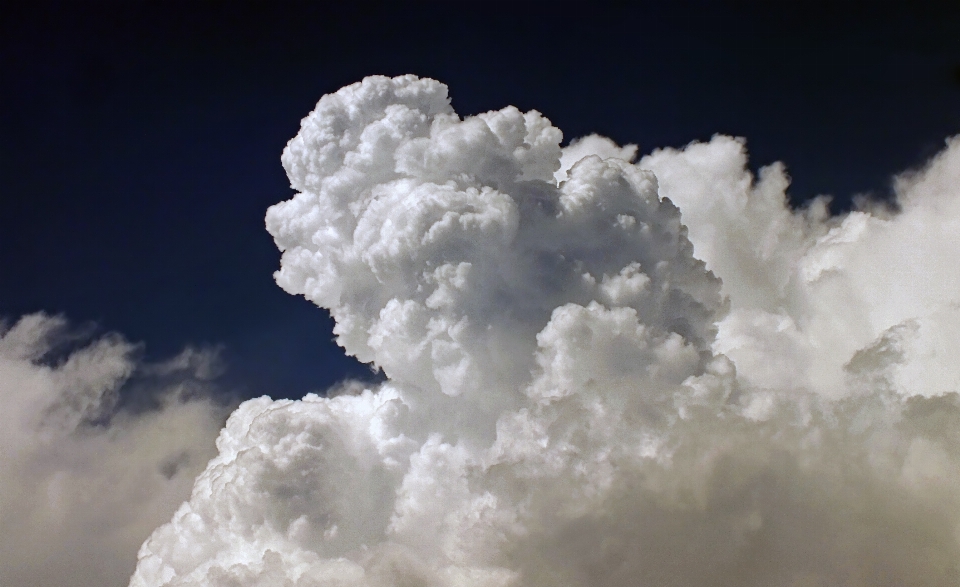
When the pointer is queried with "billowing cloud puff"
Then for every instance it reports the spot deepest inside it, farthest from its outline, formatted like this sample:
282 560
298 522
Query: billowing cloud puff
585 387
84 481
808 291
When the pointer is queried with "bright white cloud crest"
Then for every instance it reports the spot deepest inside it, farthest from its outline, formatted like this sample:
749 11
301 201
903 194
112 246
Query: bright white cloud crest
585 388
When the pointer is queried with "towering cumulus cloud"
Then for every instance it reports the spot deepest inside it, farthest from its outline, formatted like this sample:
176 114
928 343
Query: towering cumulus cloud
586 388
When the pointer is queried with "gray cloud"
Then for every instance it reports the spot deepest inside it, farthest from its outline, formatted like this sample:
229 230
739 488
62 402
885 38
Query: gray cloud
84 481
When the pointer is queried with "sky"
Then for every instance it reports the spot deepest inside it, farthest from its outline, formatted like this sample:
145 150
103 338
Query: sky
140 141
141 150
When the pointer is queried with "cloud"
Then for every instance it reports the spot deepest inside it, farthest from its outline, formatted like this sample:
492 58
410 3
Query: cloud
86 479
600 372
821 289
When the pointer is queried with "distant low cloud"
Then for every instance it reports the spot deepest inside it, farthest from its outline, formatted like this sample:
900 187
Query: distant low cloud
83 480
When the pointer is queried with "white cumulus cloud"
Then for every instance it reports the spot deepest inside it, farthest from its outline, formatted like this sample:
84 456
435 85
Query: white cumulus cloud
600 372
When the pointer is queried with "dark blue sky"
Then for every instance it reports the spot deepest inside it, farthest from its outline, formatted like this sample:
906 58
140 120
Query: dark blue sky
140 141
